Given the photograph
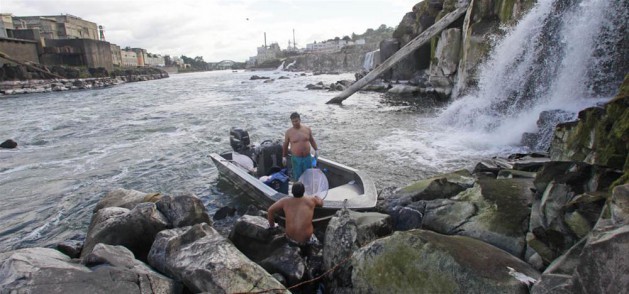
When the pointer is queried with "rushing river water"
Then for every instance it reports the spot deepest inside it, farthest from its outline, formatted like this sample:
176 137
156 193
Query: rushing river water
155 136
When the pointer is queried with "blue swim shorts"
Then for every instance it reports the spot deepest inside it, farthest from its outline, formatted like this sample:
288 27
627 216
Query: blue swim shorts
300 164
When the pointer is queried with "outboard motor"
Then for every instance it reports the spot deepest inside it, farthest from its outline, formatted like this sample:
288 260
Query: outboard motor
268 155
239 140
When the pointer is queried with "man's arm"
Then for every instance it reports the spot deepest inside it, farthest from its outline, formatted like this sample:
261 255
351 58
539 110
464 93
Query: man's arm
285 148
318 201
270 213
285 145
312 141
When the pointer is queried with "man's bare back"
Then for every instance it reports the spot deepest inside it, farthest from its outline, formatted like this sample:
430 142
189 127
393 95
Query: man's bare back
298 212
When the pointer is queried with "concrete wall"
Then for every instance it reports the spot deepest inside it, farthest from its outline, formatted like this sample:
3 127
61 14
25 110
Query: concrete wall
22 50
129 58
93 53
116 55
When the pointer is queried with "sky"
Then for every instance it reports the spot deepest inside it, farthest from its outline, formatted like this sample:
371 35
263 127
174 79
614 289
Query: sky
220 29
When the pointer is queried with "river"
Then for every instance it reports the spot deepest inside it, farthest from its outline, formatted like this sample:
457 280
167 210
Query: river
155 136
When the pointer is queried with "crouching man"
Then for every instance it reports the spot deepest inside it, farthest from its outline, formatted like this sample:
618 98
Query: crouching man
299 212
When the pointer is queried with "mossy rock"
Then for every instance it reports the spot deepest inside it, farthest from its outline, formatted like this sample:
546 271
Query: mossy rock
424 261
442 186
600 135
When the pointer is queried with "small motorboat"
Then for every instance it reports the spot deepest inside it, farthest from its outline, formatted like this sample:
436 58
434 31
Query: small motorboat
346 186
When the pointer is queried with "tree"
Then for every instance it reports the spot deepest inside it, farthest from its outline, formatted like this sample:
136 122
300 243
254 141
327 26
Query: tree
346 38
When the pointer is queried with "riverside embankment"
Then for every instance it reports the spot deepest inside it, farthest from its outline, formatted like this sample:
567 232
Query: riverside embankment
19 79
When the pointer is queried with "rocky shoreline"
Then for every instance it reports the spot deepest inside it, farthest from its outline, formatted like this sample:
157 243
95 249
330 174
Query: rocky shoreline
18 79
529 223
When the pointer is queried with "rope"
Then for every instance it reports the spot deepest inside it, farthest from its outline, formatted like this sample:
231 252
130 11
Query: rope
302 283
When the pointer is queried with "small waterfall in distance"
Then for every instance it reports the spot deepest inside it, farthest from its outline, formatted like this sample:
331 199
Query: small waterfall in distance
281 66
368 63
563 56
291 64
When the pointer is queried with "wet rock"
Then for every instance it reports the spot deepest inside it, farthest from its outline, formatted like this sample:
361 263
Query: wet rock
346 232
224 212
42 270
183 210
256 77
8 144
437 264
252 237
403 90
71 248
125 198
288 262
207 262
135 229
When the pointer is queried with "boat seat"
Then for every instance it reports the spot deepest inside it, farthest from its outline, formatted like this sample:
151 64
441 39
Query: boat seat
342 192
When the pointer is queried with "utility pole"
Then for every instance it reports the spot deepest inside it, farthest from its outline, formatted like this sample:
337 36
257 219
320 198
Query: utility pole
264 40
294 44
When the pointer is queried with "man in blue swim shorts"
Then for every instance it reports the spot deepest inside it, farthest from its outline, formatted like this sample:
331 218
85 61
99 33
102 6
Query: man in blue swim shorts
300 139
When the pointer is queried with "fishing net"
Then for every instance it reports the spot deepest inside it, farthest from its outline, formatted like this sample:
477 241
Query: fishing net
243 161
315 182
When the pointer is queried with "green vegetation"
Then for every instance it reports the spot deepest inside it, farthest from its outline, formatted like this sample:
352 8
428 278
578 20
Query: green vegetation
375 36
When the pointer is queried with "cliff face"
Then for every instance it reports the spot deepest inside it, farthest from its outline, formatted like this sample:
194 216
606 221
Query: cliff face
454 55
599 136
349 59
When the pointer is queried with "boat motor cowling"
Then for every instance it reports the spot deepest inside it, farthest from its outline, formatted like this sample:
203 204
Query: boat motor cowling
239 140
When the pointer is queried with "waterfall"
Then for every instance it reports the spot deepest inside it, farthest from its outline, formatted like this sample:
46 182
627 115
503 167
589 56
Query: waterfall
368 64
564 55
281 67
291 64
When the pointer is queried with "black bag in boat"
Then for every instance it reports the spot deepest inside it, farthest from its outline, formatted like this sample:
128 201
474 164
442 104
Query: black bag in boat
268 155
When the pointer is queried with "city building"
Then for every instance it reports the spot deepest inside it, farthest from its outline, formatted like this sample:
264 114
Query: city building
129 58
331 46
266 53
63 26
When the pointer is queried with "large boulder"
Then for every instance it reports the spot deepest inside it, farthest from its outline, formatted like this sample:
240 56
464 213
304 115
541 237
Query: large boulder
134 229
494 210
347 232
252 237
205 261
438 187
599 135
420 260
43 270
125 198
569 200
183 210
286 261
597 263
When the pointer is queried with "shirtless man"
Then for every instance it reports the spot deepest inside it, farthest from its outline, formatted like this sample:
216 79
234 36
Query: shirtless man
299 211
299 137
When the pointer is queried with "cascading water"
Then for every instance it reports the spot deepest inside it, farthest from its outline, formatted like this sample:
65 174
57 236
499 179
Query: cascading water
281 66
561 57
368 63
291 64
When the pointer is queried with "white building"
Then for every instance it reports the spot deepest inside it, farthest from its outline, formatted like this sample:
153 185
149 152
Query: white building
331 46
129 58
